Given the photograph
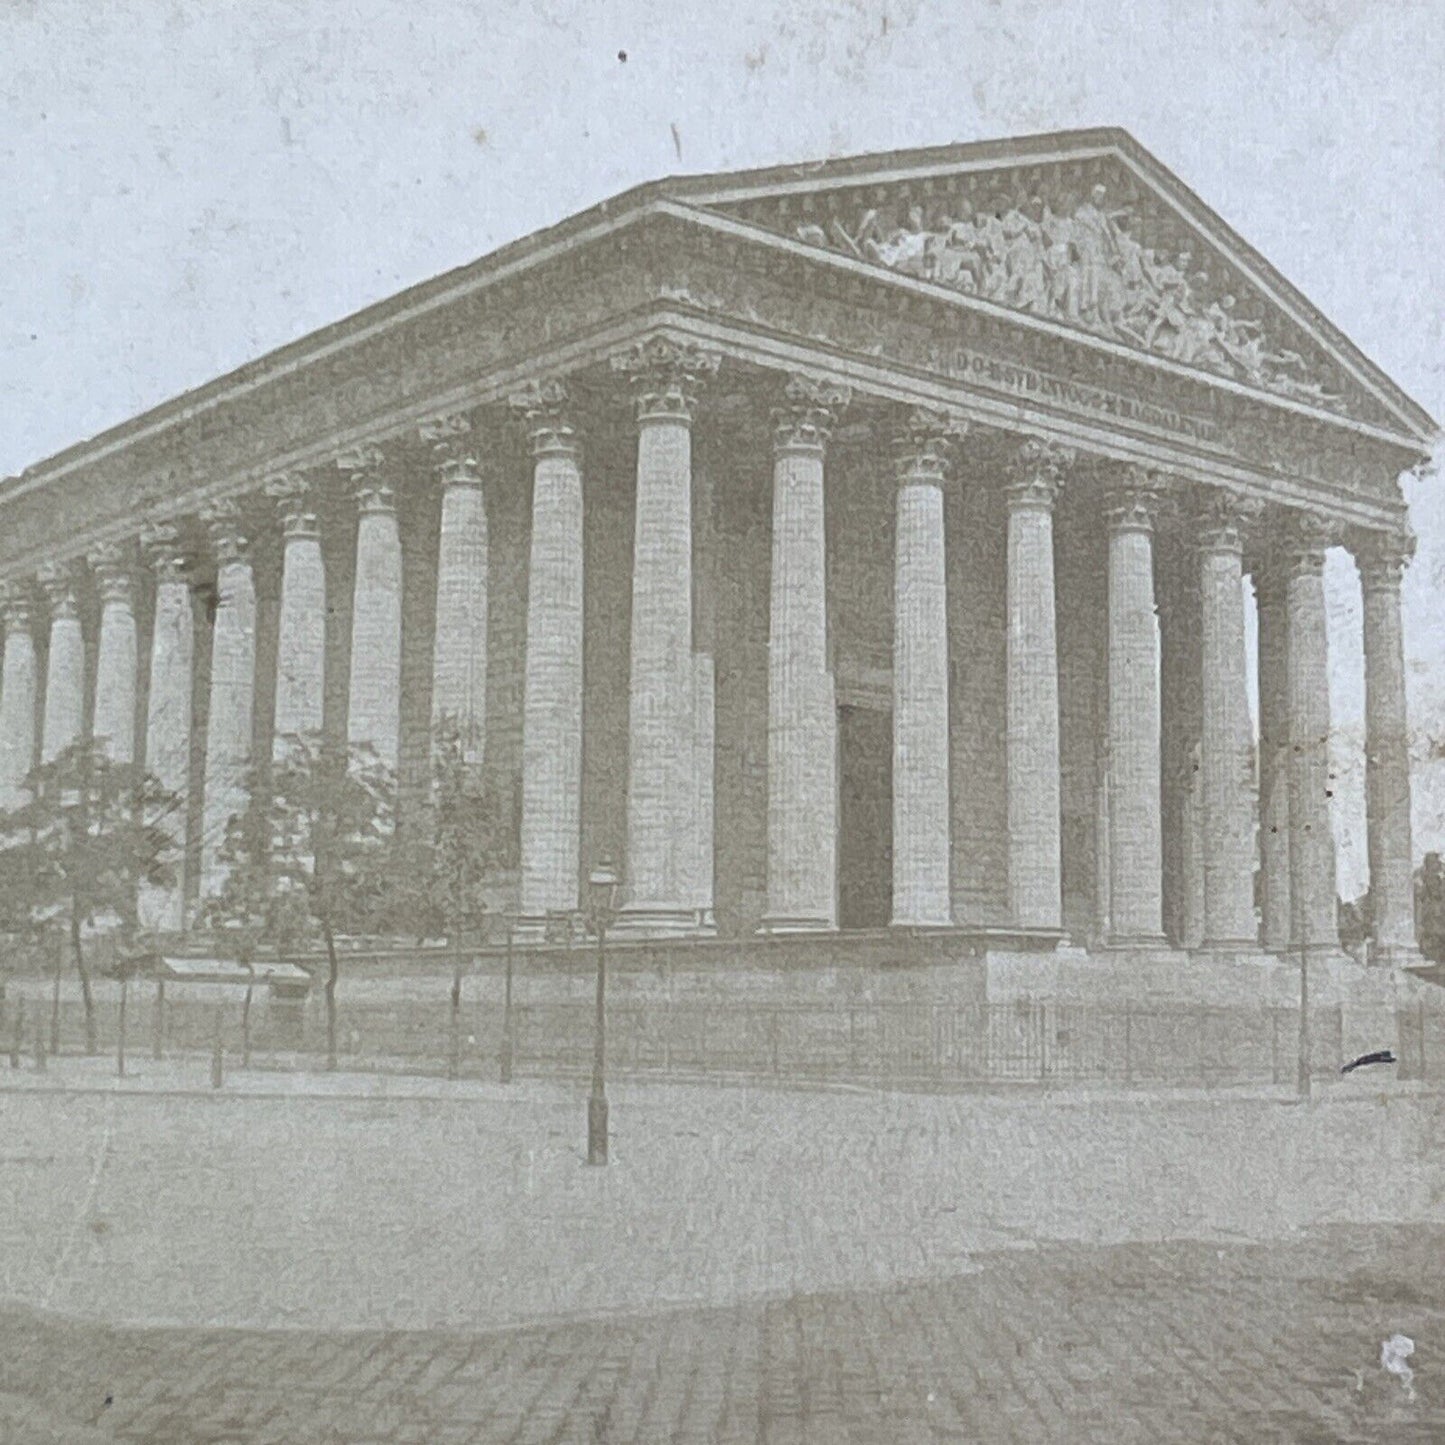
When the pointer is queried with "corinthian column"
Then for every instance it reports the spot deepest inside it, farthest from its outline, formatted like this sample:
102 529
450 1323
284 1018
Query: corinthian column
1225 740
1311 843
1136 849
661 784
65 670
922 889
1381 558
374 708
1270 590
301 632
459 658
233 688
552 687
802 717
1032 735
115 668
168 716
17 697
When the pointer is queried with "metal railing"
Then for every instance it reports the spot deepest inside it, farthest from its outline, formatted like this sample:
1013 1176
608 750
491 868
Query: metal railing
890 1044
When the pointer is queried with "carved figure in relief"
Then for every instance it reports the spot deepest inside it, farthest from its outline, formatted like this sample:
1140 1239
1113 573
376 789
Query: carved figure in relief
1080 261
1058 243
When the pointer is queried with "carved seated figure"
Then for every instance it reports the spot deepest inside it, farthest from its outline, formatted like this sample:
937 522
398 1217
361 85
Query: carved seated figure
955 251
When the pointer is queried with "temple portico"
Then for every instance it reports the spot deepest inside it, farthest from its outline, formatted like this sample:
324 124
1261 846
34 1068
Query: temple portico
822 590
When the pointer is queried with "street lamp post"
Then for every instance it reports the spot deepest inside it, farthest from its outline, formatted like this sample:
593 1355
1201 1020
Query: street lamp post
507 1004
601 900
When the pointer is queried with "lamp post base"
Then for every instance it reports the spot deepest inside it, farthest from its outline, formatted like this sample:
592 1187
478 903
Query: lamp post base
597 1129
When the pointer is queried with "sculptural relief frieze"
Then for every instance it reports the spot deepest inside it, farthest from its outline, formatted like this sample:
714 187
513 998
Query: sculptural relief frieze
1090 263
990 355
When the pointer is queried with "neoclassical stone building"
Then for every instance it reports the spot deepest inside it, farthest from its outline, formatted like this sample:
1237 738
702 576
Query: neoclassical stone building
836 547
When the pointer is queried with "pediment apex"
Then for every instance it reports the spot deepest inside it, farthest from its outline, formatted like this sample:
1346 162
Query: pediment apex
1084 228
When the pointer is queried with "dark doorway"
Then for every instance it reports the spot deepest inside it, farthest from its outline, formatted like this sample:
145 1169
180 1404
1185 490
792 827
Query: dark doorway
865 817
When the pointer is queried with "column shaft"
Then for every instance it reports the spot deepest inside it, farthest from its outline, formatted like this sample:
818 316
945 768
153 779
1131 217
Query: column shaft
65 668
116 664
1274 754
1311 842
301 626
662 788
1381 560
459 658
704 701
168 719
17 701
1032 735
802 717
922 892
1225 741
1136 840
374 703
552 689
232 697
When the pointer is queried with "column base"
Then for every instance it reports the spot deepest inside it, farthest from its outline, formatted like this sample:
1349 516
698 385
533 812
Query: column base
1397 955
657 920
923 925
1230 946
782 923
1135 942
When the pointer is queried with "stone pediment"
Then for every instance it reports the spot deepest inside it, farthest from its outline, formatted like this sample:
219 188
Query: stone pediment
1084 231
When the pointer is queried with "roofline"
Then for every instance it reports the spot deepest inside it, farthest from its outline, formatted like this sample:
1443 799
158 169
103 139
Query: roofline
895 166
635 203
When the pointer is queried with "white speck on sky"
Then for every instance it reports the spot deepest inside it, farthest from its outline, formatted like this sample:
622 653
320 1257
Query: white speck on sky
190 185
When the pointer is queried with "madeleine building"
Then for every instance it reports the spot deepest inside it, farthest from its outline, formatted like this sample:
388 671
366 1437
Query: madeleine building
836 547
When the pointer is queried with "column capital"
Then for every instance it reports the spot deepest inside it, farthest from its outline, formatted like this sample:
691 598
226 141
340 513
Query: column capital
450 440
1036 471
1223 519
292 493
543 408
57 582
1303 541
1382 556
666 375
222 521
810 408
15 605
923 446
360 460
1132 503
161 545
111 565
362 465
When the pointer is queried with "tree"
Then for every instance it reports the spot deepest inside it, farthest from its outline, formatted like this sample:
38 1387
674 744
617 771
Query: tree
89 834
1430 908
1353 922
443 862
441 866
309 857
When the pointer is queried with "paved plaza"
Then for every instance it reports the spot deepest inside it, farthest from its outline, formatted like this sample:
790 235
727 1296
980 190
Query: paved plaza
1150 1343
349 1259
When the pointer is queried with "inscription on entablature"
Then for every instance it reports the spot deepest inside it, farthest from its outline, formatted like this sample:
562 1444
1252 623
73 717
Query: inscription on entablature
1017 380
844 313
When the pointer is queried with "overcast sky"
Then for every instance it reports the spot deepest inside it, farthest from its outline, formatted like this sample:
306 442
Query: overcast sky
189 185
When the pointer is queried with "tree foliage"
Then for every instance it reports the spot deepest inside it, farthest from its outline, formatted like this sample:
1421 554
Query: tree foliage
443 862
308 858
1430 908
90 832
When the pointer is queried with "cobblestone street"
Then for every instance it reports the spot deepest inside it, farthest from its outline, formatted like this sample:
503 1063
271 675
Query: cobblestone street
1148 1343
342 1260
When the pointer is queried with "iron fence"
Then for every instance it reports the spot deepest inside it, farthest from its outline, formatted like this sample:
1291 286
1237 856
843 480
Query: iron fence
891 1044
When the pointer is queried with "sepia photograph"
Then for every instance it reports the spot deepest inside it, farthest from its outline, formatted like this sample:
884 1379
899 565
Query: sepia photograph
722 725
